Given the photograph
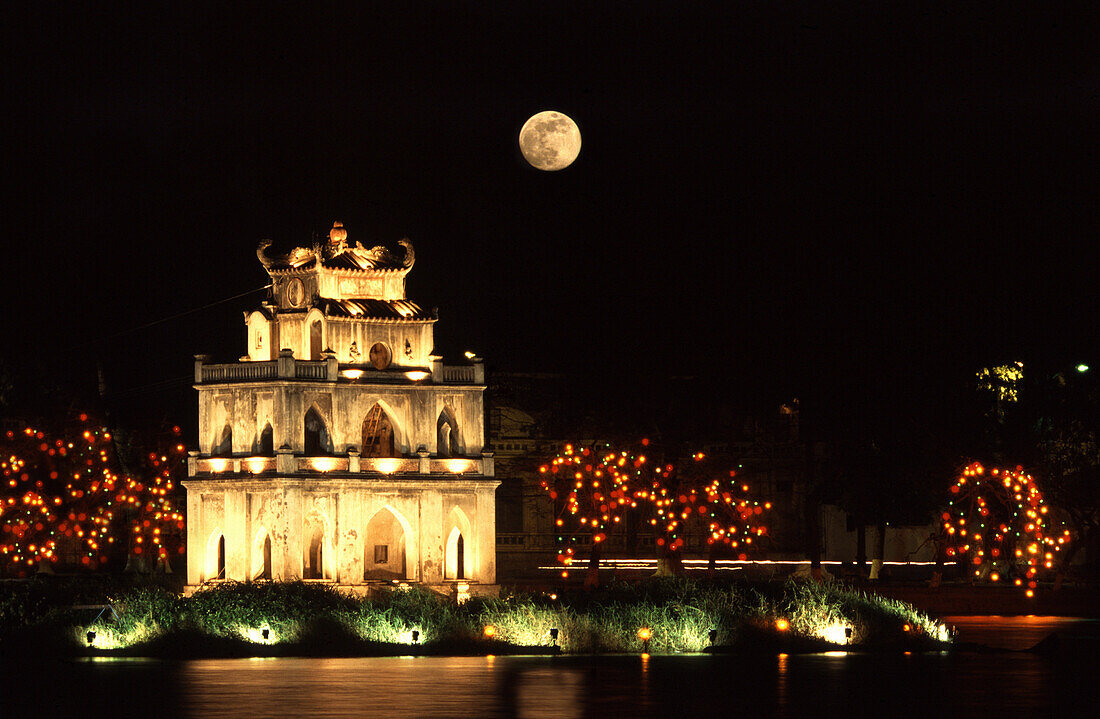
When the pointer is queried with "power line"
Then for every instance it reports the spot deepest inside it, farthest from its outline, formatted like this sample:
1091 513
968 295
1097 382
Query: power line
169 318
185 313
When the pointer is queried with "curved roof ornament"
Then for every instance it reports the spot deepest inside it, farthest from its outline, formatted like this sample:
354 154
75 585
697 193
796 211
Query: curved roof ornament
410 253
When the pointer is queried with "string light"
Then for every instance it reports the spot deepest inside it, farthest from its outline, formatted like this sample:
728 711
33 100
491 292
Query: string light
66 500
997 524
594 488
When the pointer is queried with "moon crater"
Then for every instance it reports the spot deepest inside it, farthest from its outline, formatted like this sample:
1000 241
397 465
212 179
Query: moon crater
550 141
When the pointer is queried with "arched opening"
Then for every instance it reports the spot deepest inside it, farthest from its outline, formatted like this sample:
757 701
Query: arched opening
460 557
447 439
384 555
377 437
315 340
454 560
457 561
221 558
317 440
315 557
224 446
261 556
265 442
267 559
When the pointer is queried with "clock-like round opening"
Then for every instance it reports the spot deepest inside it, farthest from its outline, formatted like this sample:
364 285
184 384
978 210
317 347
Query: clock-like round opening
379 356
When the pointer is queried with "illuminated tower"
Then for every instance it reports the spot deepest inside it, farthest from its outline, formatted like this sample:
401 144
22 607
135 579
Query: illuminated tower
340 448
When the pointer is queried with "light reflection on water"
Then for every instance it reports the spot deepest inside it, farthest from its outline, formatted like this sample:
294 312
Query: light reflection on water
381 686
1001 684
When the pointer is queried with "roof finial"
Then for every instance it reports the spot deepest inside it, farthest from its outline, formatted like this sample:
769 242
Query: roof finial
337 238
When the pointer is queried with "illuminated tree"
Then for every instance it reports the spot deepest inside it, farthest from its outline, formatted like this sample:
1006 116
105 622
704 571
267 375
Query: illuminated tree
66 501
997 525
707 501
593 488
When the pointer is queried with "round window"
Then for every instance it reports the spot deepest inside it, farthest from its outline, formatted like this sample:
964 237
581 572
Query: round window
379 356
295 292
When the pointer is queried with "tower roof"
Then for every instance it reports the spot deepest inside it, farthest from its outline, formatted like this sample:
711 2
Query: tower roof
336 254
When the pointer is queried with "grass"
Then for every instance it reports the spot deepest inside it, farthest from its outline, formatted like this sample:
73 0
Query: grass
310 618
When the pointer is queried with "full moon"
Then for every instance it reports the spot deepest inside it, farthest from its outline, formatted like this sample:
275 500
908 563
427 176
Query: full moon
550 141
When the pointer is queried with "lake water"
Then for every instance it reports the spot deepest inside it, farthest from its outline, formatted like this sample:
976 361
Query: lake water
963 684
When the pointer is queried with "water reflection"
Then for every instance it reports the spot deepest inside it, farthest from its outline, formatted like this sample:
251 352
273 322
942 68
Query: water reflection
841 684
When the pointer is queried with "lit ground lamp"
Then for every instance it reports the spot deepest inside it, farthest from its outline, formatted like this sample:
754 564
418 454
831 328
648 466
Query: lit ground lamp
782 624
645 634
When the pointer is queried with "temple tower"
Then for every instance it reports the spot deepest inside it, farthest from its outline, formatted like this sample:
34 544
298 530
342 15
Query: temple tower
340 448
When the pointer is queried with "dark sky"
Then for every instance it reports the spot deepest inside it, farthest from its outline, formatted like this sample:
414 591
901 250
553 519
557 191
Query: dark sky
858 206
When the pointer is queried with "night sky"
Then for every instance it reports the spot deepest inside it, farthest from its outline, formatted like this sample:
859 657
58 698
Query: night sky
857 206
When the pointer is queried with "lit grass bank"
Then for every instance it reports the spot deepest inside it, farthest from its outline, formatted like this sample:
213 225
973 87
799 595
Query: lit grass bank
659 616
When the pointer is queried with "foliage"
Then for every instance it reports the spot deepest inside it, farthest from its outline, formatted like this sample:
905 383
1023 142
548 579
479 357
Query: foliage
998 521
678 613
65 499
592 489
701 497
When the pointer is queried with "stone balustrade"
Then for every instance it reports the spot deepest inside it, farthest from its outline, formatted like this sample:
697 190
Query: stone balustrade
344 464
329 370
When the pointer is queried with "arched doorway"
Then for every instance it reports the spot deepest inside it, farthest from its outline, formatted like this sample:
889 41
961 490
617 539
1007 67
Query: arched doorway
378 440
317 440
314 565
315 340
384 555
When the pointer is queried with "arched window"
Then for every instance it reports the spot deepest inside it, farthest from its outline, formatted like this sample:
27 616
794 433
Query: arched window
261 556
221 557
315 560
267 559
315 340
378 434
456 560
460 557
447 440
317 440
265 443
224 446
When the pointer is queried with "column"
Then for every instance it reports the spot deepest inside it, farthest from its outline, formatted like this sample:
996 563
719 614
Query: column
430 533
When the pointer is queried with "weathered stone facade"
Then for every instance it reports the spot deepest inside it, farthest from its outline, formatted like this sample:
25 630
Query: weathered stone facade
360 463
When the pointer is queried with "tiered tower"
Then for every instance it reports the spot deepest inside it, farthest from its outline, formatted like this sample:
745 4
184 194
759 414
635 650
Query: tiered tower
340 448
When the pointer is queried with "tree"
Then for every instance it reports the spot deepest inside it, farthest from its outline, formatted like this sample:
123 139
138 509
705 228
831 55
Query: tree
704 498
66 500
592 489
1048 419
1069 455
998 523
